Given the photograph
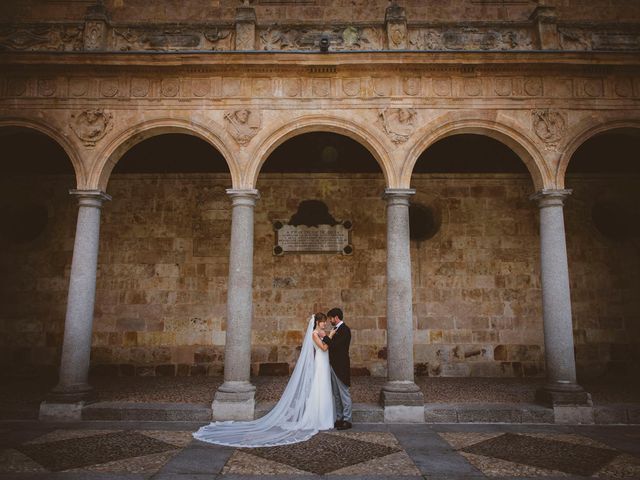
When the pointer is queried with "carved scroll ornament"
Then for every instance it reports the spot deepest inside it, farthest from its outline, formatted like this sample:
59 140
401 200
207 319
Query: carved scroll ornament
91 126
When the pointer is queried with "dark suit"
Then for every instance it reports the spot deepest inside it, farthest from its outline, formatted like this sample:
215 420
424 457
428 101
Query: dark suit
339 353
340 371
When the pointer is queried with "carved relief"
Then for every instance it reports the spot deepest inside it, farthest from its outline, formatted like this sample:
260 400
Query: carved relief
231 87
397 33
243 125
170 87
442 87
623 87
398 123
261 87
470 38
78 87
140 87
472 86
201 87
411 86
351 86
47 87
549 125
95 33
16 87
503 86
533 86
321 87
170 38
109 87
292 87
308 38
59 37
381 86
91 126
593 87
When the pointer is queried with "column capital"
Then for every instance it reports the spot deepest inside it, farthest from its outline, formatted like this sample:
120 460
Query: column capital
395 196
247 197
90 198
550 197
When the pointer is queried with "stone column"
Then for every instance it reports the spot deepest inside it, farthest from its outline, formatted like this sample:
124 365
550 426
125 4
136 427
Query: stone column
234 400
561 387
66 400
401 397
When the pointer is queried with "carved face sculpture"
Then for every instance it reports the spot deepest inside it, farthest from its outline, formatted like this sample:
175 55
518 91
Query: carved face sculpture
242 116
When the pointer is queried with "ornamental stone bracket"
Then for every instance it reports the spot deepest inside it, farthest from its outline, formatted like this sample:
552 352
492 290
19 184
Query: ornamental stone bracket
91 125
398 123
243 125
550 126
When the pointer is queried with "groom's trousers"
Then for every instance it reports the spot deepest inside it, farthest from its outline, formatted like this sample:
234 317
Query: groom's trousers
341 398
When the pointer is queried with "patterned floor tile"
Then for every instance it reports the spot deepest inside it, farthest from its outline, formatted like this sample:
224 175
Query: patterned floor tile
324 453
56 435
545 453
12 461
73 453
144 464
495 467
623 466
397 463
241 463
177 438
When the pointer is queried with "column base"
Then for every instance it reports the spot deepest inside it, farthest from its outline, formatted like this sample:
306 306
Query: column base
234 401
403 402
65 403
563 394
60 412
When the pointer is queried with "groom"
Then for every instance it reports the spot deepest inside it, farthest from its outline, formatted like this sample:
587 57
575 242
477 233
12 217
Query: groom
338 341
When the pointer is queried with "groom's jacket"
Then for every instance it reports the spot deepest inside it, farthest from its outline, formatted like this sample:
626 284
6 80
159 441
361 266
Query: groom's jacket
339 353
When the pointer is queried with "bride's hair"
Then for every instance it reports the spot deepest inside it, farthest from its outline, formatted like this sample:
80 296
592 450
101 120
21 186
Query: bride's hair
319 317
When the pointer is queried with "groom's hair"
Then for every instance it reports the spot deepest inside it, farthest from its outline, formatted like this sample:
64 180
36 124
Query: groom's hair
335 312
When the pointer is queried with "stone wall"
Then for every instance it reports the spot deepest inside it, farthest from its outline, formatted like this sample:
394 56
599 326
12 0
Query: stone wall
161 292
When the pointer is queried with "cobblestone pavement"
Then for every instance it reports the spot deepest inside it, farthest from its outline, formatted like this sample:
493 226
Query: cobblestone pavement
166 450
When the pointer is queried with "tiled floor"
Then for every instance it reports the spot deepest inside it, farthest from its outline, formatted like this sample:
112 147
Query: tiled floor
153 450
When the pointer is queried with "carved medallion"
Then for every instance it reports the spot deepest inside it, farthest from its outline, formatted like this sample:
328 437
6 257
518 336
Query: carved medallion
503 86
623 87
16 87
201 87
398 123
46 86
95 35
442 87
140 87
321 87
351 86
533 86
472 86
170 87
243 125
231 87
261 87
91 126
593 87
381 86
549 125
291 87
109 87
411 85
78 87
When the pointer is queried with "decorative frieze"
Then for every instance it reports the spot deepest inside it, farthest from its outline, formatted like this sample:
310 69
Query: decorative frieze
43 37
340 38
470 38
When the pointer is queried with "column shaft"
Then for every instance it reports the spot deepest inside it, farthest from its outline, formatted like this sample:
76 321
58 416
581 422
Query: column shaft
556 300
73 384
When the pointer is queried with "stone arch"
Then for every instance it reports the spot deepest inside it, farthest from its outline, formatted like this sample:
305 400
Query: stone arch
508 135
69 148
587 130
112 153
322 123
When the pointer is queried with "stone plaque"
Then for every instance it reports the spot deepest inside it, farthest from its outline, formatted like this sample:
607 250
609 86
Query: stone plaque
313 239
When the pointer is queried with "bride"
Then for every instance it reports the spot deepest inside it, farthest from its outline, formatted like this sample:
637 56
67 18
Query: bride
306 406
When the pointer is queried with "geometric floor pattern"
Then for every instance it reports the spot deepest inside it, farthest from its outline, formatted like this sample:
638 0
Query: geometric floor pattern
541 455
324 453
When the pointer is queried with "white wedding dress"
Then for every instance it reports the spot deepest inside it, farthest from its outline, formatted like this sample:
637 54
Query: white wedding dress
306 406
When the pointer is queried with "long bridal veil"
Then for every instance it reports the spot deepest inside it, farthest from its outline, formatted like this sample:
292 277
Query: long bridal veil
285 423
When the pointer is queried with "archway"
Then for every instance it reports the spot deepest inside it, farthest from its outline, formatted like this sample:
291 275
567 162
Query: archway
475 266
603 246
36 241
164 248
320 178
